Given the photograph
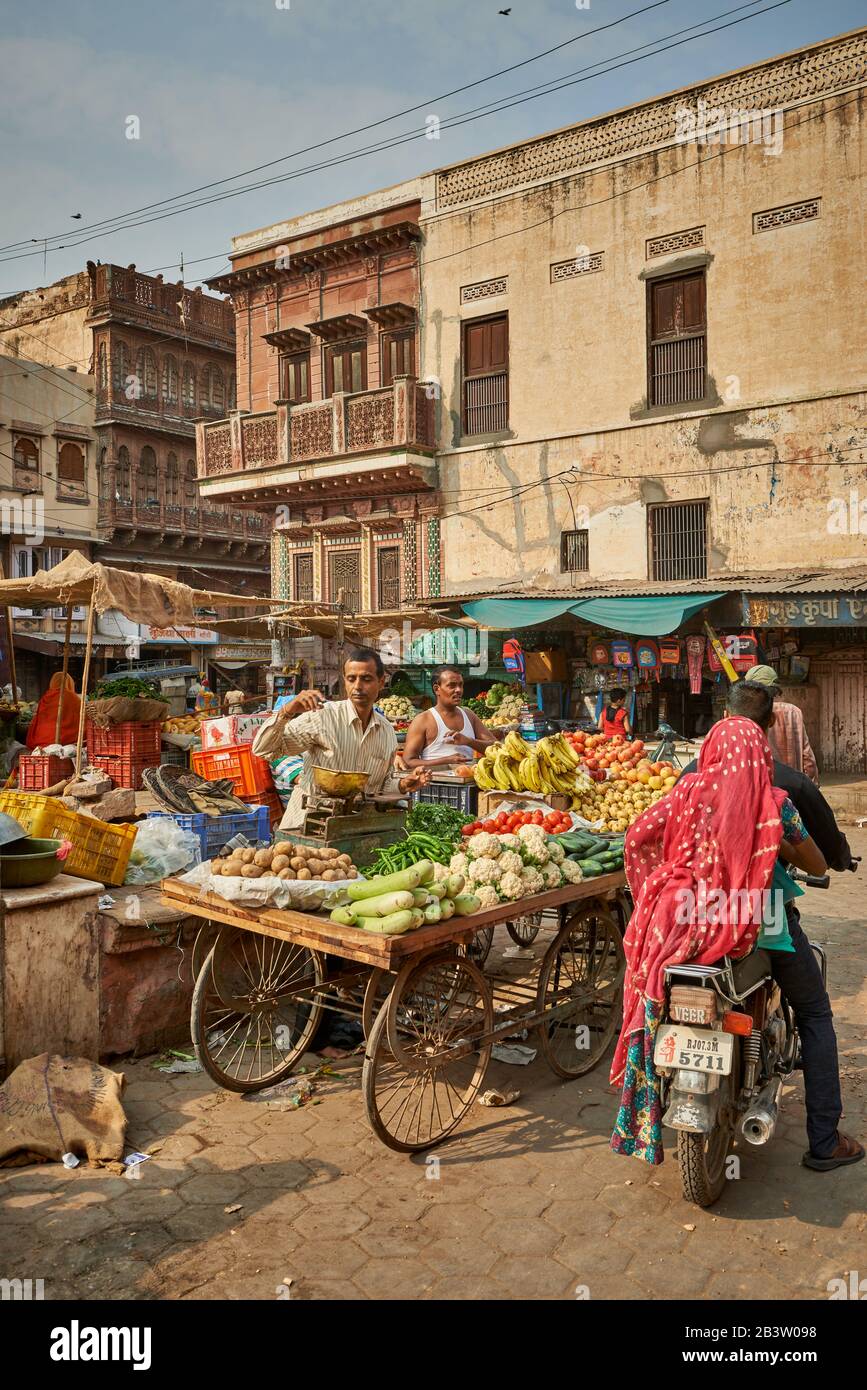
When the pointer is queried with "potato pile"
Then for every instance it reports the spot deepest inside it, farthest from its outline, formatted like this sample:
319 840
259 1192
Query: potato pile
181 724
286 860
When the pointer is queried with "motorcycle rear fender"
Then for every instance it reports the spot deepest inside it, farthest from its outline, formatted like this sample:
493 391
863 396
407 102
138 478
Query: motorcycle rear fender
696 1114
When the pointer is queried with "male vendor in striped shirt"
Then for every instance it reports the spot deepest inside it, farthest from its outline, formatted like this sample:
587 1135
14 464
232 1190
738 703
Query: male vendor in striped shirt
344 735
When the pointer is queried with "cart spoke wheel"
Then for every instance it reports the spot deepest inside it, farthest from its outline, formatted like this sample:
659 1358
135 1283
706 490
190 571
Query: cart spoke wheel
205 939
582 974
478 949
256 1006
524 930
416 1096
376 992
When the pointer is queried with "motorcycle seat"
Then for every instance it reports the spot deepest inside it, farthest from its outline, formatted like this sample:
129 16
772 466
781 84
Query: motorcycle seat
751 970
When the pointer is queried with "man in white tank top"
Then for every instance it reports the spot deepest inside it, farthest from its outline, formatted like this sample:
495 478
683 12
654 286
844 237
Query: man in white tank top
446 734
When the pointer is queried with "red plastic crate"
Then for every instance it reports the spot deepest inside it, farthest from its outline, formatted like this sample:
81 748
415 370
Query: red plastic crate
37 773
247 773
127 740
273 803
124 771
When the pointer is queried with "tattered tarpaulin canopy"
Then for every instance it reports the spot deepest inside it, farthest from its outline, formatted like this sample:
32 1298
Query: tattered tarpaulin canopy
143 598
651 615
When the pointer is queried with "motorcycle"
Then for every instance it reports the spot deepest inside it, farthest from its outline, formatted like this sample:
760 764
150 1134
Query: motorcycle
726 1042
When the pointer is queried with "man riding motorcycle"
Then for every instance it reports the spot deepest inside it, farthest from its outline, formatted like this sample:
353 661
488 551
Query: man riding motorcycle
798 973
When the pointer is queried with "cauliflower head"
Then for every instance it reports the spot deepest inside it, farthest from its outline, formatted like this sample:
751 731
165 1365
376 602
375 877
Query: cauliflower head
551 875
534 852
510 862
441 872
458 863
571 871
509 842
487 895
511 887
532 879
484 871
556 852
531 832
483 845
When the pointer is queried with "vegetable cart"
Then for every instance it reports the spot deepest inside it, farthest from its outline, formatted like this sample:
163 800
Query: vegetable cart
430 1014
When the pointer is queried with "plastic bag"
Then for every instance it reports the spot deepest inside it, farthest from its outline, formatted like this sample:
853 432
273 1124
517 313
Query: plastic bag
307 894
161 848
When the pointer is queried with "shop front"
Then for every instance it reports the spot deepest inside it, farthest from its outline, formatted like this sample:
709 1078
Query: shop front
818 644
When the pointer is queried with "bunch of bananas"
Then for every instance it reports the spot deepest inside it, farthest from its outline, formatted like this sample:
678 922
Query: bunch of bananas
514 765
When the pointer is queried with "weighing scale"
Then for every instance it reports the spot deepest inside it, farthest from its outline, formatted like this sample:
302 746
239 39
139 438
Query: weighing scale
334 816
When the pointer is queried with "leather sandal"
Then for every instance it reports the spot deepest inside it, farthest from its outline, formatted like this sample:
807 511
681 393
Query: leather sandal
847 1151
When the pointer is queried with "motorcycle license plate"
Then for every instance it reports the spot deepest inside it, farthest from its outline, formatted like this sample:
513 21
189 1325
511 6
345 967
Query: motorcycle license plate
694 1049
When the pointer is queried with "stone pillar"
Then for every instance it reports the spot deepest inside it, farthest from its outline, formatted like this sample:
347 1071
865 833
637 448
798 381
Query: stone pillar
410 560
434 564
367 571
280 567
319 575
338 423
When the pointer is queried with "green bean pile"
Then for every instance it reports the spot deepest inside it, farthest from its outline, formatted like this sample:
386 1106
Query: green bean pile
415 846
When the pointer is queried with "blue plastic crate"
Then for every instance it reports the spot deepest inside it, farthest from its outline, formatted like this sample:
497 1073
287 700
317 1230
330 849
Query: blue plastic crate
216 831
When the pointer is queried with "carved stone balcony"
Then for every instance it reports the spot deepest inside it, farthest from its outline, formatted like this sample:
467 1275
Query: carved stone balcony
273 448
151 301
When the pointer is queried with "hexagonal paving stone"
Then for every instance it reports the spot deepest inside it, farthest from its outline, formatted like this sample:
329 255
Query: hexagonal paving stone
142 1204
514 1236
330 1290
393 1279
75 1225
456 1219
328 1259
511 1200
587 1257
286 1176
666 1276
465 1288
343 1187
392 1240
324 1222
214 1188
578 1217
270 1146
533 1277
382 1204
457 1256
179 1146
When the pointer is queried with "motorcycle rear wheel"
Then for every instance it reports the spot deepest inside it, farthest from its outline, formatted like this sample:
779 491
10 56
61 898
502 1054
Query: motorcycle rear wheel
702 1158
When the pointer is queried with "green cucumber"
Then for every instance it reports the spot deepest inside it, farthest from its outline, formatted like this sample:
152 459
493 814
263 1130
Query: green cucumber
392 925
404 881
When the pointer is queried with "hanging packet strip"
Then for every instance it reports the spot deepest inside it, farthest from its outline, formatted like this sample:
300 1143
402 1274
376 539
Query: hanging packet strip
695 661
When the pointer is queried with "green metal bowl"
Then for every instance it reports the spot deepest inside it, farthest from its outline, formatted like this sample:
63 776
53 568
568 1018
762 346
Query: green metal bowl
33 862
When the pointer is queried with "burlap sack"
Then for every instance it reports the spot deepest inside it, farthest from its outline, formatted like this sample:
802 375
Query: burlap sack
50 1106
120 710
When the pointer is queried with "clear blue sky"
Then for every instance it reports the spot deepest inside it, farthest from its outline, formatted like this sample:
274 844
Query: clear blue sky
219 86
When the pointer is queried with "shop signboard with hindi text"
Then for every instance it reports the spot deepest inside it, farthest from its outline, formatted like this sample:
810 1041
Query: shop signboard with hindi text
805 610
195 636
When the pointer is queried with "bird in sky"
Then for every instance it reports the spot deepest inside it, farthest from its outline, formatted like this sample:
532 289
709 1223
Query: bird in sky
76 216
508 11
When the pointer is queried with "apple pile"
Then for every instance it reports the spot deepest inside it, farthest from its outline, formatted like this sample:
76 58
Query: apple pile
631 782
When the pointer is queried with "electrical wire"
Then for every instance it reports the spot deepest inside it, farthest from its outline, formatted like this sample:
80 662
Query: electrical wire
448 124
358 130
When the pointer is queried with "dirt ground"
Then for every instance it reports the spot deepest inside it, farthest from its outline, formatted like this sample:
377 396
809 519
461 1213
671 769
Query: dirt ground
243 1201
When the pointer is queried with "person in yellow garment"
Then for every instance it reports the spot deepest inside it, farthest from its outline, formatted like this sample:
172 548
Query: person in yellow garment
343 735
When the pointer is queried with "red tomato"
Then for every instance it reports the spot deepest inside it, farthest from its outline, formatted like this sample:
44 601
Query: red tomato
538 818
466 830
489 825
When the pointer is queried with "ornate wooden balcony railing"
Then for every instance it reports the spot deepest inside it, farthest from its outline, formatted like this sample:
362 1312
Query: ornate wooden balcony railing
365 422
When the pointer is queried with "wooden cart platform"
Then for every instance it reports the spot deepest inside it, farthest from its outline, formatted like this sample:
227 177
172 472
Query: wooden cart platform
430 1013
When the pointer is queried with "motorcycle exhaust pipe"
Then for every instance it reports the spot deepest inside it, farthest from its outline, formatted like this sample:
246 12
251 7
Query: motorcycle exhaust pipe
760 1120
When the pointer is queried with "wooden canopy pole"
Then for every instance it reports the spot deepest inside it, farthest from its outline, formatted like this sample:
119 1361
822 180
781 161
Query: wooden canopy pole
7 612
88 649
66 638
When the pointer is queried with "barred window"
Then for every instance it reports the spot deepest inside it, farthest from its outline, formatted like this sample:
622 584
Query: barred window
677 339
574 551
677 540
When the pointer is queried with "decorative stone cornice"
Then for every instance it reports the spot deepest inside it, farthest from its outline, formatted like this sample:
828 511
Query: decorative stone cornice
780 83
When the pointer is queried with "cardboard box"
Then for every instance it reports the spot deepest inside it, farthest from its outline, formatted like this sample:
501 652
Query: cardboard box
231 730
545 666
491 802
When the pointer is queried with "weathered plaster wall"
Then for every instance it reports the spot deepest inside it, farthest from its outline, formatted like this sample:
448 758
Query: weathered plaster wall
786 343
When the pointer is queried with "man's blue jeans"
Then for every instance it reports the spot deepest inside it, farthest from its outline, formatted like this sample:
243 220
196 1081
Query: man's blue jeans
800 979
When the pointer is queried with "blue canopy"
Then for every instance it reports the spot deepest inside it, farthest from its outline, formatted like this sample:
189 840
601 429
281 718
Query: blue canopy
649 615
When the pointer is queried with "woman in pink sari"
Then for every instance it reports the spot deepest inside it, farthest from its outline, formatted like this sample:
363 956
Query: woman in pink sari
719 829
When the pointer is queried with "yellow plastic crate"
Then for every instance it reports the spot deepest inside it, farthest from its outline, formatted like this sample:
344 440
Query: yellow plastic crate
99 851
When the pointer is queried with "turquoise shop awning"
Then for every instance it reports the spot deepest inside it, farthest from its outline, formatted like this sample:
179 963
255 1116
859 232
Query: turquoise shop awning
650 615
